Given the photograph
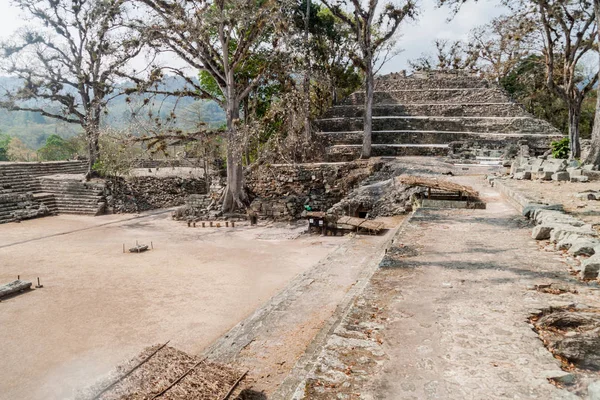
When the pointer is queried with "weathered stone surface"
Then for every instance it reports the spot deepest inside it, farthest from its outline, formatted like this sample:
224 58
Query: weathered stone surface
560 176
14 287
594 390
574 171
579 178
561 231
541 232
555 165
283 191
143 193
590 268
583 247
588 195
582 349
544 175
523 175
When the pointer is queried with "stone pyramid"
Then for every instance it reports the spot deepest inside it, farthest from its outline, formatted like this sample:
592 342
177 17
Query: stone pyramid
434 114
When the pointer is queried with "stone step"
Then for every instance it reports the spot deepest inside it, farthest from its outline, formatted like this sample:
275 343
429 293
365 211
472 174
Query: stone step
432 137
351 152
454 124
425 83
432 109
429 96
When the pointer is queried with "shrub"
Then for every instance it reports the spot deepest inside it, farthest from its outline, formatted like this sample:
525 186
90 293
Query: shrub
560 148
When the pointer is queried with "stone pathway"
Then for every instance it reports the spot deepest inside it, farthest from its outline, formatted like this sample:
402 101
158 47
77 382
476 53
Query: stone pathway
449 319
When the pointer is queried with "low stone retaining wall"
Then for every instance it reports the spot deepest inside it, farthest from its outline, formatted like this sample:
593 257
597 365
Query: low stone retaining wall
137 194
563 231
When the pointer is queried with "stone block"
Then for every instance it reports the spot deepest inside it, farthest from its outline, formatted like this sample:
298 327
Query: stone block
560 176
590 268
537 165
573 171
554 165
561 231
544 175
583 247
579 178
588 195
541 232
524 175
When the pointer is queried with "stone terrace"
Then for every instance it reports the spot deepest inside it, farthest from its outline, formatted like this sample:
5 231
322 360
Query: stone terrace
424 114
29 190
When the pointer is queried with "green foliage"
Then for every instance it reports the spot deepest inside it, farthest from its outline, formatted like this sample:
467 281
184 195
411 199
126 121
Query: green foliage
560 148
526 83
56 148
4 143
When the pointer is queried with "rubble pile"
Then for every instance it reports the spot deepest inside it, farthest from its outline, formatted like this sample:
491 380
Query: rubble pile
569 234
285 191
137 194
547 168
380 199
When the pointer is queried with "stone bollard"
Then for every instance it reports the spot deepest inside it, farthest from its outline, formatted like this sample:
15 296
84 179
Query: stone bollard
232 224
211 225
188 224
227 224
194 224
204 224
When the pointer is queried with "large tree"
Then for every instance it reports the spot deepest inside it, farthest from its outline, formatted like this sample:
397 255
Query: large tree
69 62
569 29
219 38
371 28
594 155
568 33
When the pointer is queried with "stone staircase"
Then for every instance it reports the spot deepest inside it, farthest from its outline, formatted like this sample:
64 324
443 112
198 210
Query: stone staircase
69 194
29 190
424 114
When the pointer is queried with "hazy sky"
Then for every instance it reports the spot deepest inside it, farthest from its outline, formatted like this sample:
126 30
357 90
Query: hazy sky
417 36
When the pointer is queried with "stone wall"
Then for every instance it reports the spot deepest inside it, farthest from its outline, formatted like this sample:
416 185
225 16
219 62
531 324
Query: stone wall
137 194
283 191
20 187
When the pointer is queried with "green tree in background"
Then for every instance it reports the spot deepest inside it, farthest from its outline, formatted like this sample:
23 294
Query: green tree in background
56 149
4 142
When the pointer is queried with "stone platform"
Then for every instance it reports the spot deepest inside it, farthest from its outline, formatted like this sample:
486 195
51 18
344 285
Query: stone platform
433 115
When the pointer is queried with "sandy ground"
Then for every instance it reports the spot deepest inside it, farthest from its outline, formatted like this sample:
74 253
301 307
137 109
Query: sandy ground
450 321
563 193
99 306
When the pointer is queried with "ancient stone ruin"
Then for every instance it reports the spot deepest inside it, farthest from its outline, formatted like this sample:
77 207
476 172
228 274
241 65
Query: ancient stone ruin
29 190
434 114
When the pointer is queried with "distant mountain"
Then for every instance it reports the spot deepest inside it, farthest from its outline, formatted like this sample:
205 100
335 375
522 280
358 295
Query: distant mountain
33 128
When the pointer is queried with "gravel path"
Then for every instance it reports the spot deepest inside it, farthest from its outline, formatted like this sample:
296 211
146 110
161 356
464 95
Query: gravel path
449 319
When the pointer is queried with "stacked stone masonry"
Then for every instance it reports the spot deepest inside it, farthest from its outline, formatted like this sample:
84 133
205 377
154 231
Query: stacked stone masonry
29 190
429 115
283 191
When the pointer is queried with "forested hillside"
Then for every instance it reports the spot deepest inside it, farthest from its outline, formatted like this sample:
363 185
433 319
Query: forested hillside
33 129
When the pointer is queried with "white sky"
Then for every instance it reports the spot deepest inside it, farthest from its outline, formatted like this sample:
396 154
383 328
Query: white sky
417 37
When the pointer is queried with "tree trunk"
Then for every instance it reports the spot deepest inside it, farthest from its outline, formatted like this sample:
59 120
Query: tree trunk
594 157
234 197
574 117
368 119
92 134
307 132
